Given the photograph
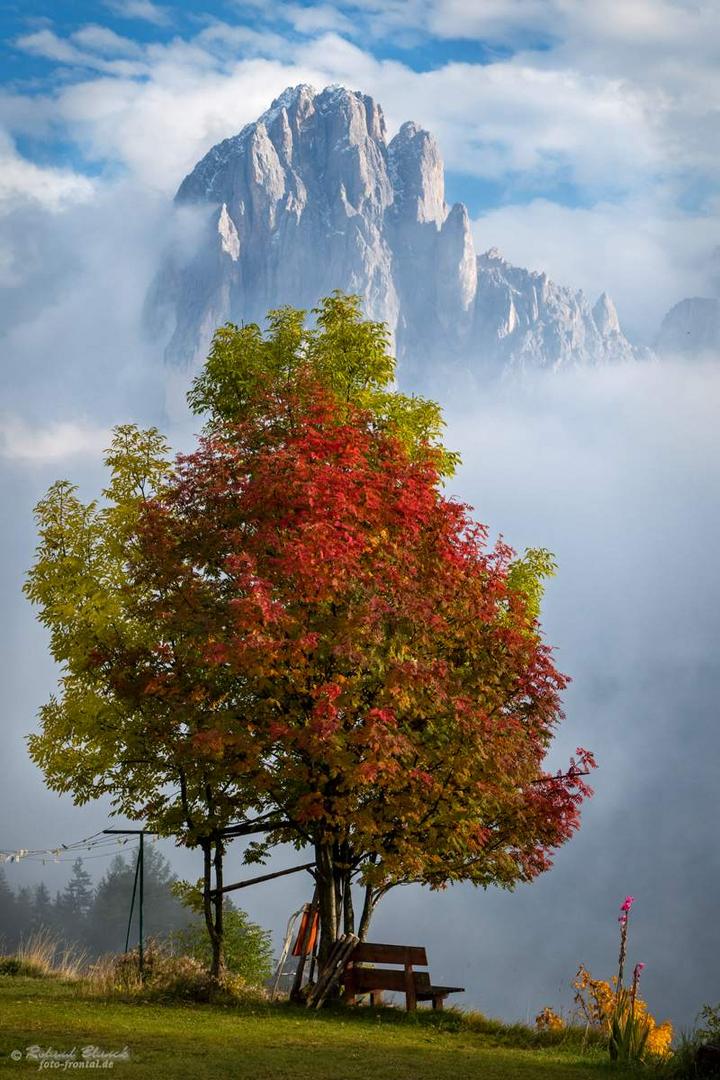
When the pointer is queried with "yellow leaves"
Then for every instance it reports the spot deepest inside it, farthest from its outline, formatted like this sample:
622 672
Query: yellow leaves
547 1020
659 1039
310 807
594 997
599 1001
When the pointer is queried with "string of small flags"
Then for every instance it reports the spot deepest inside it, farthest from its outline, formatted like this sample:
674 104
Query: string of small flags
91 844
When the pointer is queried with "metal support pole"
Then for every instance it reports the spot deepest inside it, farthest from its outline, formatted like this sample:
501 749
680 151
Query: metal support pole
139 878
132 902
141 862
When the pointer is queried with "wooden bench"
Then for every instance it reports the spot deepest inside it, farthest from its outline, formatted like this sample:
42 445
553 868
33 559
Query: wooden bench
416 985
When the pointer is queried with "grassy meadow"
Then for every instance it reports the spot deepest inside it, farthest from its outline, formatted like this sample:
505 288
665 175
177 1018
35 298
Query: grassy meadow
278 1042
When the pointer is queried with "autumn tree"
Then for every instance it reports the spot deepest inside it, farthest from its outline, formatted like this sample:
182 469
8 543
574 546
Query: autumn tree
294 628
105 733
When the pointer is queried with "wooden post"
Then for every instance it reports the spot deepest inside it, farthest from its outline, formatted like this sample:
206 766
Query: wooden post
332 971
349 995
410 995
263 877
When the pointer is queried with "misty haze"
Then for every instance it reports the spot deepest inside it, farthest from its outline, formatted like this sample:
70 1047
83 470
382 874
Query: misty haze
499 190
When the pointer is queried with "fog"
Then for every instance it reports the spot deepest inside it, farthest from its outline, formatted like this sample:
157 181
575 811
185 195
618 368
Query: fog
615 470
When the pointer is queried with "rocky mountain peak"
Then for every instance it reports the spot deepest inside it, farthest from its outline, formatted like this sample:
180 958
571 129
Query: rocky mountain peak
312 197
606 316
492 255
417 175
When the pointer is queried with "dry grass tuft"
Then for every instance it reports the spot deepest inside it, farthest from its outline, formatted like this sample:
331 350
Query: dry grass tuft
43 955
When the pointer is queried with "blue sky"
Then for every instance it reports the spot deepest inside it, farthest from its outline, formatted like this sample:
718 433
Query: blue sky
33 62
581 137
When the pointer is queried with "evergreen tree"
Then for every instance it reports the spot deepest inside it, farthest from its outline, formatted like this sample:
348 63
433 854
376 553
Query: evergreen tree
9 916
42 909
78 895
163 913
72 906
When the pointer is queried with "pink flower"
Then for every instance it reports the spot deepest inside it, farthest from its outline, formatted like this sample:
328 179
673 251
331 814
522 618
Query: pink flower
627 903
638 969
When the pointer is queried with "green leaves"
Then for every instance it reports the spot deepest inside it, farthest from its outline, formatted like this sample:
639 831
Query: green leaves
527 576
100 735
343 353
294 621
139 464
629 1031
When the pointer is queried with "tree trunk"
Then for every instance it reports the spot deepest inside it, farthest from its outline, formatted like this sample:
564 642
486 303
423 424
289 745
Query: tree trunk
348 910
327 899
338 878
367 912
218 904
213 902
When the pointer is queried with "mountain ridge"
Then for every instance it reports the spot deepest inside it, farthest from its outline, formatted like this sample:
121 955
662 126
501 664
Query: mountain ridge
313 196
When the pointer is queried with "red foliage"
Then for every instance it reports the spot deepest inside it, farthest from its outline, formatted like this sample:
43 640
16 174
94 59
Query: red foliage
363 662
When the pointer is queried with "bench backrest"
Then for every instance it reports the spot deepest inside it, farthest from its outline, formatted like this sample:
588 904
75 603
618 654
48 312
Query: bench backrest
366 979
368 952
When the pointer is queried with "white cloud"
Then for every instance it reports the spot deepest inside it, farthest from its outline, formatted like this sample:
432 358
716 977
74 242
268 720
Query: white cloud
144 10
591 108
70 312
511 118
22 181
495 20
625 126
664 50
24 442
317 17
102 40
48 45
491 120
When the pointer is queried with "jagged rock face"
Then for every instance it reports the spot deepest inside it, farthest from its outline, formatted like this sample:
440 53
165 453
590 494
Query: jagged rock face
524 320
298 203
691 328
312 197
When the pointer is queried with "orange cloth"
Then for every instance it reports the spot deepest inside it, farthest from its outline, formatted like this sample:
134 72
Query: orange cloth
307 934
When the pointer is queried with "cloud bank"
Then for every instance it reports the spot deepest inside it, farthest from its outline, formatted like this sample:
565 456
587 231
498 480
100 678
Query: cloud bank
603 148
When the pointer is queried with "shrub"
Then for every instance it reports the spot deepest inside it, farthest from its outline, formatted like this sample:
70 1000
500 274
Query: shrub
548 1020
624 1018
10 965
166 977
708 1029
248 948
633 1034
691 1060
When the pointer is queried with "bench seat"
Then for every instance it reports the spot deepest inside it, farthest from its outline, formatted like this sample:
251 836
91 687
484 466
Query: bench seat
361 977
437 994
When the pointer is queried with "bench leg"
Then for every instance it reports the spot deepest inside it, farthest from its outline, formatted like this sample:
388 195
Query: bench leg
410 996
438 1002
376 997
349 988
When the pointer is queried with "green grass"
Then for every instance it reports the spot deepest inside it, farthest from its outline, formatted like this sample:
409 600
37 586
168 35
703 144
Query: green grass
275 1042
